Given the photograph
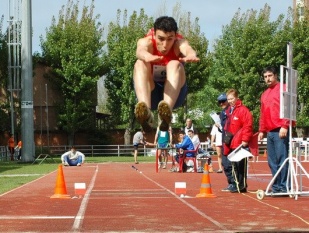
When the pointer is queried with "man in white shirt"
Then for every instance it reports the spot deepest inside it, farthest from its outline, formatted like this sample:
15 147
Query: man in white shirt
194 138
73 157
196 141
138 139
201 153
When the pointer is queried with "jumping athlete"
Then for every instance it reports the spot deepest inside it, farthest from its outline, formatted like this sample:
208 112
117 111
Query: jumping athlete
159 75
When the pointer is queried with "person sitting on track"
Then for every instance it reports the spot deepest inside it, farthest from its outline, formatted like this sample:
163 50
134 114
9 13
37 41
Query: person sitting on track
73 157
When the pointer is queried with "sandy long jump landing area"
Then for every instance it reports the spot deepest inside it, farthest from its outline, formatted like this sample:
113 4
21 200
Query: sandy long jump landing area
121 199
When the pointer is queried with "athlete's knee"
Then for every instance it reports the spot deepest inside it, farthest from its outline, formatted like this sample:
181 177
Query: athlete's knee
174 64
139 64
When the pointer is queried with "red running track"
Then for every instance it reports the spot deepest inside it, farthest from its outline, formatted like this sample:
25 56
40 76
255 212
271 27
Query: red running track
121 199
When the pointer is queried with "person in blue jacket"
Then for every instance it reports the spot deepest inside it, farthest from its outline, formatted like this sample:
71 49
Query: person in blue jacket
185 143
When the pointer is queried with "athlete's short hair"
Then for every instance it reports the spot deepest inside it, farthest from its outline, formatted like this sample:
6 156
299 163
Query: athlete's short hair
166 24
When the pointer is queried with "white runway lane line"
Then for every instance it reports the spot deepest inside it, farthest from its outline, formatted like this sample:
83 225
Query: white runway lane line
20 175
81 213
22 217
195 209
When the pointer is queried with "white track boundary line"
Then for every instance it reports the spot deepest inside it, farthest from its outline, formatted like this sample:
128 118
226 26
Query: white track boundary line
20 175
26 184
278 208
81 213
188 204
5 217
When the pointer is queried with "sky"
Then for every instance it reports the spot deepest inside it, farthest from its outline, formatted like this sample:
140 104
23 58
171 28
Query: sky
212 14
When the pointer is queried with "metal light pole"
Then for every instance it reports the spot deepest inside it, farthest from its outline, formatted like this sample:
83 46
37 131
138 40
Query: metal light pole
47 119
27 84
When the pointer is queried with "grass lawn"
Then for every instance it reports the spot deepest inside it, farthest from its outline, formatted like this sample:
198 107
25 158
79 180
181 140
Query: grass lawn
14 173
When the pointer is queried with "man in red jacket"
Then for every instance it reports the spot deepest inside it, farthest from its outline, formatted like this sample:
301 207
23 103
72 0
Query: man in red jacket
275 128
240 124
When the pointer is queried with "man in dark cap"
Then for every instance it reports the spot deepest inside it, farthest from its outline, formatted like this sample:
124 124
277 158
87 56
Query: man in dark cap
227 165
222 98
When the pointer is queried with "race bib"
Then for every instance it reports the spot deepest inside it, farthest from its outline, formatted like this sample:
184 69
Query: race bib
162 134
159 73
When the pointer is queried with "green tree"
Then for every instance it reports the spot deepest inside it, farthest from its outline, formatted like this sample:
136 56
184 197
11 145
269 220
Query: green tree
247 45
73 48
197 73
121 46
300 42
3 55
4 103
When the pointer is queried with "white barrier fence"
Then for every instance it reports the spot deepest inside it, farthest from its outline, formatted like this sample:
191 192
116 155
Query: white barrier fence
88 150
123 150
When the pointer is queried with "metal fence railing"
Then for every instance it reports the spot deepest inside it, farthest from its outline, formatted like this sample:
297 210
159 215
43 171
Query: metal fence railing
101 150
88 150
6 155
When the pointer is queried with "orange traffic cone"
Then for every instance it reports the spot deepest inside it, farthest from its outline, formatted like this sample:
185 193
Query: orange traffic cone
60 189
205 190
265 153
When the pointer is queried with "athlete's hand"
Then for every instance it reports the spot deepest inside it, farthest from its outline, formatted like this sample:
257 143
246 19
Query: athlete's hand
190 58
153 58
